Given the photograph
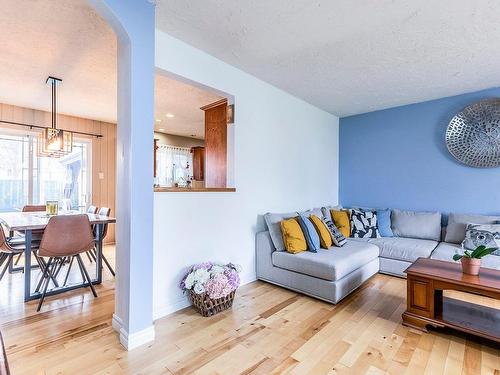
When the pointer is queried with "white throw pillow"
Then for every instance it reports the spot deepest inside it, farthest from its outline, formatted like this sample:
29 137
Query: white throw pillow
482 235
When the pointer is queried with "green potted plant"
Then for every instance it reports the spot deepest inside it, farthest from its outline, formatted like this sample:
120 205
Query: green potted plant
471 259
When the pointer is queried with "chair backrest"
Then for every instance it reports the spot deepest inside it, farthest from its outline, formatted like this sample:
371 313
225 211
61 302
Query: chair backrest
105 211
34 208
92 210
4 245
3 240
66 235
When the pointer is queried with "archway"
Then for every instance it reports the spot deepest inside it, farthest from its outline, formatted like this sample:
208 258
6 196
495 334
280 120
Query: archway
134 25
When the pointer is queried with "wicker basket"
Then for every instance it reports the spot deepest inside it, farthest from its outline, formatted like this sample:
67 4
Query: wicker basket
207 306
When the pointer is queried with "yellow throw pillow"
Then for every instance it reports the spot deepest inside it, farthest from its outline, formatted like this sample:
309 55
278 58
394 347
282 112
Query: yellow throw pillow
325 239
342 222
293 237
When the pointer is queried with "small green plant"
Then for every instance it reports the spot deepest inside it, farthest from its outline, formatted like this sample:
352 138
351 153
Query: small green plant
478 253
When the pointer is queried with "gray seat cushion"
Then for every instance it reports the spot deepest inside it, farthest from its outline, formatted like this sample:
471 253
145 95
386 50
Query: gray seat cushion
412 224
407 249
328 264
446 250
455 231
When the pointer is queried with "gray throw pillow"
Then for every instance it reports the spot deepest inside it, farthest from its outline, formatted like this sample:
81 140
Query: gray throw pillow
457 223
337 237
273 224
482 235
412 224
326 211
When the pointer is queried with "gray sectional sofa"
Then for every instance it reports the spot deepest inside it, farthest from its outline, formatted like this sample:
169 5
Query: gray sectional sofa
331 274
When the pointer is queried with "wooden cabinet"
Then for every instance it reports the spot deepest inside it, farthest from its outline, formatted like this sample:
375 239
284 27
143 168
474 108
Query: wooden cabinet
198 163
216 144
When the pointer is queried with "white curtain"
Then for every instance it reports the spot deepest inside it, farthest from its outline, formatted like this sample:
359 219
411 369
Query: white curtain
174 165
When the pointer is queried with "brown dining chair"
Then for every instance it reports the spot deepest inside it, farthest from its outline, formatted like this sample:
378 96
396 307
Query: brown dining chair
7 252
36 235
34 208
65 237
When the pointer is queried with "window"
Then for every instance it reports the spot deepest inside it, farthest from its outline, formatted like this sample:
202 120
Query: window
28 179
174 165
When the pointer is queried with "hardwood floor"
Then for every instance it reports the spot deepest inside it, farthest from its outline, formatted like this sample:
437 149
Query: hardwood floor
270 330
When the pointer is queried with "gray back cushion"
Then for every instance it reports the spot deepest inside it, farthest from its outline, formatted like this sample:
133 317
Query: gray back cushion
315 211
412 224
455 231
273 224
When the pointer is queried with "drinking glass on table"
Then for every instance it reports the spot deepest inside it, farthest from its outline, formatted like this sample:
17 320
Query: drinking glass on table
51 207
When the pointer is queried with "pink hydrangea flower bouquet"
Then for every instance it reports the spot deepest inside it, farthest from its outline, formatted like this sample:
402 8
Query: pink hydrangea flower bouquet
211 286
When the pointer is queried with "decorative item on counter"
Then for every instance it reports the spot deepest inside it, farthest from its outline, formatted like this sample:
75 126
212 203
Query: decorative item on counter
51 207
188 184
211 286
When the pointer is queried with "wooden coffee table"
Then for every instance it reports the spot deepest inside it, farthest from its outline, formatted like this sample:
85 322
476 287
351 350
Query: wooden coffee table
426 305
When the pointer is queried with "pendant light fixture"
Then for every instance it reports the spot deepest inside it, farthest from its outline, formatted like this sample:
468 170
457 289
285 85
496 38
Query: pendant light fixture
53 142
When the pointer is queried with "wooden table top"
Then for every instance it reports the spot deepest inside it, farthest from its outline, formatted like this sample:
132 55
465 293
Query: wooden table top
452 272
19 221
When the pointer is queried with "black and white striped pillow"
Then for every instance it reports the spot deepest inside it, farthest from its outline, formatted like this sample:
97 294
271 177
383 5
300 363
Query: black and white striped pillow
337 237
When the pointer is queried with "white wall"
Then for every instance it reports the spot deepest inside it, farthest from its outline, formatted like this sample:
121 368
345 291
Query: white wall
285 159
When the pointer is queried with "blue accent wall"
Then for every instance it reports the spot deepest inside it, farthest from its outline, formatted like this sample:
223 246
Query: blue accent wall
397 158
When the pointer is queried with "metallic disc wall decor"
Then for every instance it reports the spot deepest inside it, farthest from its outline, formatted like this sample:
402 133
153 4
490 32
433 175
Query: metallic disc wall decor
473 135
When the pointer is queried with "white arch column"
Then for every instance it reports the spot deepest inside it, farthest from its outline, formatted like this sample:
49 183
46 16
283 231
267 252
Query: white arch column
134 24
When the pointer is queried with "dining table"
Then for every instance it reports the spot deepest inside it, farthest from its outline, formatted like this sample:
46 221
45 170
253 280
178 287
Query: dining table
27 222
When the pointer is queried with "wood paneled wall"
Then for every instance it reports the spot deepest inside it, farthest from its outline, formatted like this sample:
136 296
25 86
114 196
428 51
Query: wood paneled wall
103 150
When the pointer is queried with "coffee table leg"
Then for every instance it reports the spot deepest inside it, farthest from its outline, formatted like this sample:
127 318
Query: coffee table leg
438 303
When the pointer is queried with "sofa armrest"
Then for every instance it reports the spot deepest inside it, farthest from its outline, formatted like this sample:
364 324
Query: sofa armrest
264 249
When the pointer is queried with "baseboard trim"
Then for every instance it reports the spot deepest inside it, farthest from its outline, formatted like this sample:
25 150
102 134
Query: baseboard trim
136 339
117 323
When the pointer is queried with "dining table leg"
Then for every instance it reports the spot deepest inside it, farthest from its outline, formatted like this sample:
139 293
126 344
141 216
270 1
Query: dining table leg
98 247
27 265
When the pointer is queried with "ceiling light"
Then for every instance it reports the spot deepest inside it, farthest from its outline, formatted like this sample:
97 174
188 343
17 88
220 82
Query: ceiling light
169 115
158 120
161 129
53 142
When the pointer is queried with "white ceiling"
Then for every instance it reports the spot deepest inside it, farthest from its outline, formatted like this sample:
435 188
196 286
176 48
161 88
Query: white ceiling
67 39
183 101
63 38
346 56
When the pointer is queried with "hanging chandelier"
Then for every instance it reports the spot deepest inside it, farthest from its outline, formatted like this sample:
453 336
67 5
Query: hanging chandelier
53 142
